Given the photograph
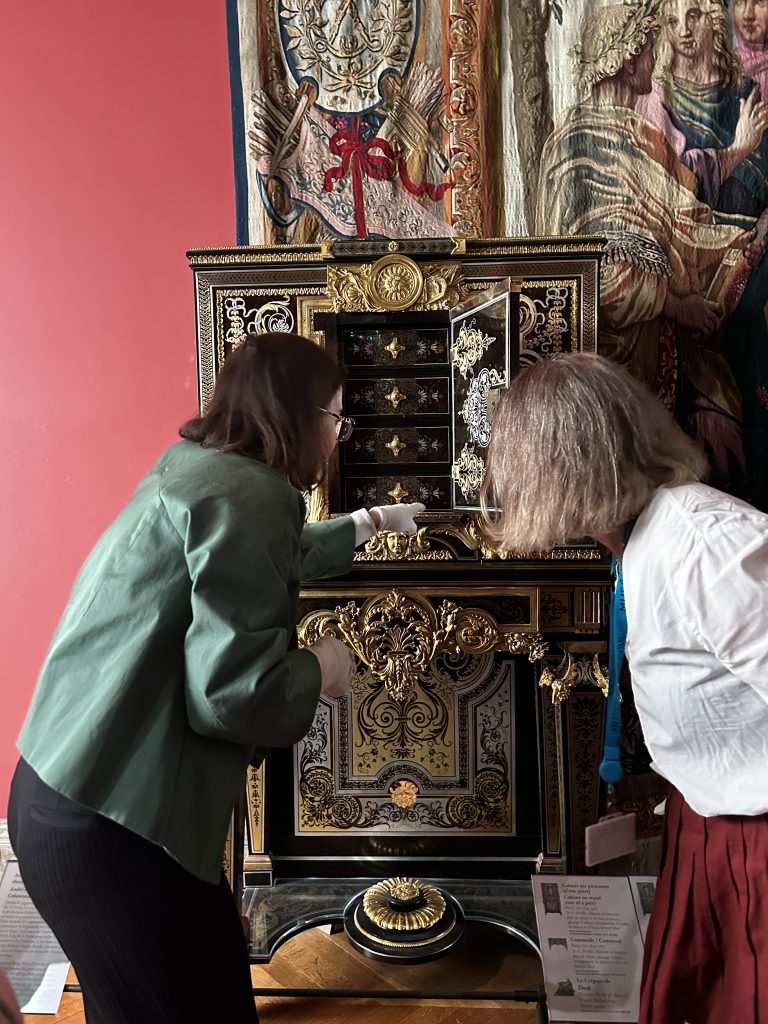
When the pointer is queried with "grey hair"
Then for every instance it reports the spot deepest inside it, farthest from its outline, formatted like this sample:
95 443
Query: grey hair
578 447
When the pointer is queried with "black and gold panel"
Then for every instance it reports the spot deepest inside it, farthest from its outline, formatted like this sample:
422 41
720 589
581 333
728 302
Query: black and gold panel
484 357
447 758
435 759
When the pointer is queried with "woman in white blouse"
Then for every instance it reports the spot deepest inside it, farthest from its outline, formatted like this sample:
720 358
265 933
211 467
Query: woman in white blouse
581 449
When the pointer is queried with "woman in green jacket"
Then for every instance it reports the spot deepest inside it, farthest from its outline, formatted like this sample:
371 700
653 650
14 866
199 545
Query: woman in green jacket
174 667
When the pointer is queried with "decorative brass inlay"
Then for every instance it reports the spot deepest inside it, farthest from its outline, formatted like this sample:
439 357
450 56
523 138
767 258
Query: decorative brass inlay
378 908
404 793
398 492
395 446
468 348
395 282
468 471
394 348
395 397
399 634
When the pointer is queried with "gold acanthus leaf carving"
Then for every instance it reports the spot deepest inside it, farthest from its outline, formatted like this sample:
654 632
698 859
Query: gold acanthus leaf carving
399 634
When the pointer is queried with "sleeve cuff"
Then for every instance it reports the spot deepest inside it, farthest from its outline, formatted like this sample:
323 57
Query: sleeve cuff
365 528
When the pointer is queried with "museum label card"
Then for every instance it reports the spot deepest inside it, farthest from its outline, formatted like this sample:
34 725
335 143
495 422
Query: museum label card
592 945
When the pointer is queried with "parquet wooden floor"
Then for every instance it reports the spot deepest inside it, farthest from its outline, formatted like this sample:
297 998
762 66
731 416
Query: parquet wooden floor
486 960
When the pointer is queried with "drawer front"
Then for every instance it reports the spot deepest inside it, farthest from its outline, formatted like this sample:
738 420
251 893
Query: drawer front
426 346
433 491
398 396
397 445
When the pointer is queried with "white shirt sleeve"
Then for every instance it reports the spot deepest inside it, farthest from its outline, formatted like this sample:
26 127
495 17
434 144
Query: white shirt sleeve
723 591
365 527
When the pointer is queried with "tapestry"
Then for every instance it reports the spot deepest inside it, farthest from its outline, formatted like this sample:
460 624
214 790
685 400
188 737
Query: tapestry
641 122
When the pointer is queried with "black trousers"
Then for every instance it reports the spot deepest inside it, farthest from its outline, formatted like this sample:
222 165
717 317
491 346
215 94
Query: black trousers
151 943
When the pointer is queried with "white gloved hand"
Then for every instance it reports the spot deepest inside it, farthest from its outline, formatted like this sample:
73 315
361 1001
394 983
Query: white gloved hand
399 518
337 665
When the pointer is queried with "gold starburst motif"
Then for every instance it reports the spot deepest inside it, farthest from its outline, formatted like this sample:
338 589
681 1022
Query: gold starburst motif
395 446
398 492
394 348
395 397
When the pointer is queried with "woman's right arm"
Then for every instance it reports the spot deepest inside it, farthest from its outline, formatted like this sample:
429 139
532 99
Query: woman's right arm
244 683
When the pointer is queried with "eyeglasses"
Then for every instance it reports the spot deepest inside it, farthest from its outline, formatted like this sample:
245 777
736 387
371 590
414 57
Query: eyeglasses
344 424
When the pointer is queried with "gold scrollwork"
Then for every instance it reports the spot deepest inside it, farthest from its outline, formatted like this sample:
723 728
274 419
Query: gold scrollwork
468 471
377 906
468 348
395 282
399 634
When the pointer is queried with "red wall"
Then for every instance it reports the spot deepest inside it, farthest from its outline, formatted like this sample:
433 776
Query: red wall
115 158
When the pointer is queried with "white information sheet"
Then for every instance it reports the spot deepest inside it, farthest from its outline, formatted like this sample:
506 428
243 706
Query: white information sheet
29 954
592 938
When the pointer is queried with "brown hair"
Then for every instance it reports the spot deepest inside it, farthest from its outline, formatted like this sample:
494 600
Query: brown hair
578 447
265 405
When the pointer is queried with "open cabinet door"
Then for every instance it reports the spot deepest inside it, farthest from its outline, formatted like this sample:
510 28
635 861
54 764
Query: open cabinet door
485 356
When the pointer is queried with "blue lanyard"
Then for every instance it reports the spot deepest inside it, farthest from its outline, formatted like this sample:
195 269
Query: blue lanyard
611 771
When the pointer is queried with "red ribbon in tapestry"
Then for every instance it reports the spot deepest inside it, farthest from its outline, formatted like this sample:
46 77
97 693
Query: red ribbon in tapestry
382 166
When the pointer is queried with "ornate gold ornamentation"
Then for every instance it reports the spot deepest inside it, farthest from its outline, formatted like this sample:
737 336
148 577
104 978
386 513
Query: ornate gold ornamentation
575 669
395 397
404 793
395 282
399 634
390 546
394 348
401 945
395 446
398 492
378 908
468 471
468 348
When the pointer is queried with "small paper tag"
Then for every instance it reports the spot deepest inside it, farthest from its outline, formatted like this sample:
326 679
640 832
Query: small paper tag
613 836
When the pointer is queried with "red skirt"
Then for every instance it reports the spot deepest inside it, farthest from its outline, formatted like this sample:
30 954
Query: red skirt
706 953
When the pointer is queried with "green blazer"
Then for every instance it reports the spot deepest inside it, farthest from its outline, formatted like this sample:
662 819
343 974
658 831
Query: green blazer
175 663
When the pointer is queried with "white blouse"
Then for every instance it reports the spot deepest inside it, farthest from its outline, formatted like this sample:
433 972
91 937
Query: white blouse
696 589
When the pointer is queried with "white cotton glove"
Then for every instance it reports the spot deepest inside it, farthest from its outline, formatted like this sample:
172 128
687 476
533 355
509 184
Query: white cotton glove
337 665
399 518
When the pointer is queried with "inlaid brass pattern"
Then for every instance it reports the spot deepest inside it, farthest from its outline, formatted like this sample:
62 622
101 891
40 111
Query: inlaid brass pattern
378 908
398 634
468 348
404 793
395 446
395 283
468 471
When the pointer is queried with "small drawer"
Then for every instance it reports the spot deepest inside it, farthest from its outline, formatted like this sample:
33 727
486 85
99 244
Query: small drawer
389 396
433 491
394 348
397 445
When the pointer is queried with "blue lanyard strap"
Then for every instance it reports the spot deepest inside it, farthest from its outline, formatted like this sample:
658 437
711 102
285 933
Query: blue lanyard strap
611 771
